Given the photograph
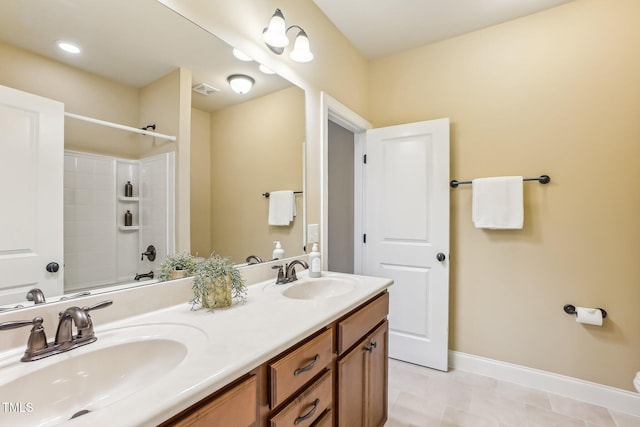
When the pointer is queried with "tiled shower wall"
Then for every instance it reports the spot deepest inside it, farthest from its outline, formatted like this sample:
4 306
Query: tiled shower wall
98 250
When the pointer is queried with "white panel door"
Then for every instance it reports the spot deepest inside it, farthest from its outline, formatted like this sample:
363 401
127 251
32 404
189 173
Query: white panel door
31 178
407 231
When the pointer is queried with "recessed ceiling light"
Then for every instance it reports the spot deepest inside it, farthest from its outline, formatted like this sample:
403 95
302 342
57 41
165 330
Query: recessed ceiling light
241 55
266 69
69 47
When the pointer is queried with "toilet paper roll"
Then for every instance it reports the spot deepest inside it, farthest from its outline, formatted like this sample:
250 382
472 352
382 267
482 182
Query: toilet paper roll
589 316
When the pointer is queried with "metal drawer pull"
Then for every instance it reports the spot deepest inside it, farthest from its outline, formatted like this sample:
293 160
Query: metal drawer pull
308 367
308 414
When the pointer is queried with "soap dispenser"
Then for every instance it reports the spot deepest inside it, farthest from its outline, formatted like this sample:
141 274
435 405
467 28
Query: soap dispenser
315 262
278 252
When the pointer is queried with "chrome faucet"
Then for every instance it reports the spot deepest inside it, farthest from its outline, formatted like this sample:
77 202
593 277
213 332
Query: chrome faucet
253 259
290 270
36 295
37 346
289 273
64 334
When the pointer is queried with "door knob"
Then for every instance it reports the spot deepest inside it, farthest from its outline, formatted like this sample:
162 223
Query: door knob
441 257
53 267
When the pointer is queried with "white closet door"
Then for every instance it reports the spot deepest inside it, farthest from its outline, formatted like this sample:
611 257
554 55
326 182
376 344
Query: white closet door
31 179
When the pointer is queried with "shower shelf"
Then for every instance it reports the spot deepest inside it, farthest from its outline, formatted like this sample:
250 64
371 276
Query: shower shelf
129 228
128 199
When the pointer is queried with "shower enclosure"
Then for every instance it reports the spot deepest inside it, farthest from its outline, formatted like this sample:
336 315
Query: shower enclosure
99 248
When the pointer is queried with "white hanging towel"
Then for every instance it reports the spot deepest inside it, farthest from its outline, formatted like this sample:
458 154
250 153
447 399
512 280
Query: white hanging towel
498 202
282 207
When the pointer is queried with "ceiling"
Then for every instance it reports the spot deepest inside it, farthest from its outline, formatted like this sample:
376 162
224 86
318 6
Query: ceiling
131 42
379 28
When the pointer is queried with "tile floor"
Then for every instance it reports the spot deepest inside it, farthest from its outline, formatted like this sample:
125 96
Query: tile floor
421 397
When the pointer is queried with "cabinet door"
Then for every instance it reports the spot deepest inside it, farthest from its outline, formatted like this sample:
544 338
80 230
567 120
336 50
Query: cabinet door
377 377
351 387
362 382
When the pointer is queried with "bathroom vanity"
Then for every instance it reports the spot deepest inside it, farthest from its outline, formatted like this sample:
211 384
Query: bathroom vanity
310 353
337 376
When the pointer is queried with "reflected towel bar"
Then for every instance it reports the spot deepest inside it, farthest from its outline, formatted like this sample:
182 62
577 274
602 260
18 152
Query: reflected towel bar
542 179
267 194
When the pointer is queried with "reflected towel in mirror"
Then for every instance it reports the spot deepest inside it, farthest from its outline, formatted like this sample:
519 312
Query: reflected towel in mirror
282 207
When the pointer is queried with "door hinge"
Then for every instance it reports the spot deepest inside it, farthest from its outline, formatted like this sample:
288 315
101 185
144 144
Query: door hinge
364 159
364 238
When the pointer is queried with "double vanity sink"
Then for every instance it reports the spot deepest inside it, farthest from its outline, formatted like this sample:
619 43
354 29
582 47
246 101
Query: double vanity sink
123 361
147 366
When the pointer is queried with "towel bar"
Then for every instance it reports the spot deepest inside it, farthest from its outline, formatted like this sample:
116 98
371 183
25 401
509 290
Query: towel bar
542 179
267 194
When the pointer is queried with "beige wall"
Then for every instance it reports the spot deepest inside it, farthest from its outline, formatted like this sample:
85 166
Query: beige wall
558 93
200 183
256 147
82 93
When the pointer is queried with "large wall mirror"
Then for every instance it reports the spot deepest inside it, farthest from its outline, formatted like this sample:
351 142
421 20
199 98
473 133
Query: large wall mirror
132 69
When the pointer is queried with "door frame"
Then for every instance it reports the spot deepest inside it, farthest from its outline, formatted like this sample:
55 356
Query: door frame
332 110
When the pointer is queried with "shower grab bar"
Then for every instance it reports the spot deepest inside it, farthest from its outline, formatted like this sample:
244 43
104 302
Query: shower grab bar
542 179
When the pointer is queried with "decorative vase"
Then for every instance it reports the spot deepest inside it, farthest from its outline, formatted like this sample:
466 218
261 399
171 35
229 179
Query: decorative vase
177 274
217 293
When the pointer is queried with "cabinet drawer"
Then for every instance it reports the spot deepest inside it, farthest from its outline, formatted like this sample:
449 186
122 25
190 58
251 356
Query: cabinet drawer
295 369
308 406
234 408
325 420
354 327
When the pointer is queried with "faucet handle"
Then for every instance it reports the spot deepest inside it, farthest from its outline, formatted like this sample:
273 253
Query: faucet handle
281 279
97 306
37 338
15 324
87 333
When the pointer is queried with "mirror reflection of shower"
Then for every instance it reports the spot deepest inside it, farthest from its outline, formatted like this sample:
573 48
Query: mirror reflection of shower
105 229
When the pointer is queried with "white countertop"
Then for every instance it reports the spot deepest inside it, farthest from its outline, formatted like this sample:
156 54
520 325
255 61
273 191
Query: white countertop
231 342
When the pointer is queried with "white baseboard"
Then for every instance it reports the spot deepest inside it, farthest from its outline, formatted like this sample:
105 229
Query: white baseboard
597 394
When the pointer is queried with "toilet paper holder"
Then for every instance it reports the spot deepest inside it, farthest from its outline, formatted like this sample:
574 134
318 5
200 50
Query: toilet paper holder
571 309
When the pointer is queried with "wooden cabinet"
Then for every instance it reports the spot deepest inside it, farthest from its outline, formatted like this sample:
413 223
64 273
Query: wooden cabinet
291 371
363 370
308 405
362 381
336 376
300 382
233 407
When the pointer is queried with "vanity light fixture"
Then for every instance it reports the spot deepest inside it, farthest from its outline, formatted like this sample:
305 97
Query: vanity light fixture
68 47
240 83
275 37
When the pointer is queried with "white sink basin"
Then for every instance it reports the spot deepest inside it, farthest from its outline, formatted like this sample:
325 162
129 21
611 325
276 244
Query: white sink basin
122 361
322 287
